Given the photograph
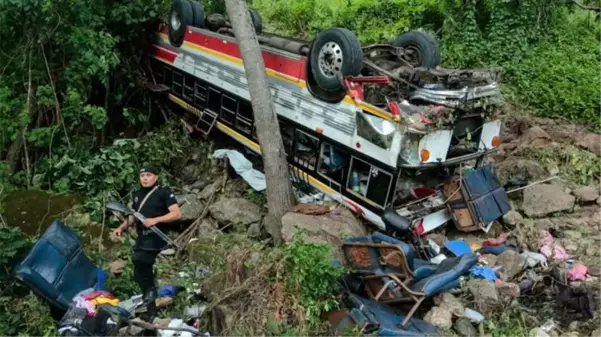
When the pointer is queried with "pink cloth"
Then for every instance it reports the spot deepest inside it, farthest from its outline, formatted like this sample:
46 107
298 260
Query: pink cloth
578 272
550 247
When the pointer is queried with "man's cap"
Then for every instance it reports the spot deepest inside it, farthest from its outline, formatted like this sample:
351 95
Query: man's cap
150 169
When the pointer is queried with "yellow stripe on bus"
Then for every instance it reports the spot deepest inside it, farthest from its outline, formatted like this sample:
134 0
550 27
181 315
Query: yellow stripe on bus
287 78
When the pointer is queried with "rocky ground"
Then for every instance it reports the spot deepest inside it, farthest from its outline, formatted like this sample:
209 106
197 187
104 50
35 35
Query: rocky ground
529 299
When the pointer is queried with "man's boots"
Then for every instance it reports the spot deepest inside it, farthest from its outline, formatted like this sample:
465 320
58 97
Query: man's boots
150 304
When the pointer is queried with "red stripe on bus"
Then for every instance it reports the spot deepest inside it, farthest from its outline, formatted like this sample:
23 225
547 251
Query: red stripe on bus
291 67
164 54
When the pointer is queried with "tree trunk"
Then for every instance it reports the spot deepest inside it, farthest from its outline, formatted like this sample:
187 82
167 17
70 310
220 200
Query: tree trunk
13 156
279 187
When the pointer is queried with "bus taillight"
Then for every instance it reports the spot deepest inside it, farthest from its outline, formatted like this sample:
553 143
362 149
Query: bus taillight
424 155
496 141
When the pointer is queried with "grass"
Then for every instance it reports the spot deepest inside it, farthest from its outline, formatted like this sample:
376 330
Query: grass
576 166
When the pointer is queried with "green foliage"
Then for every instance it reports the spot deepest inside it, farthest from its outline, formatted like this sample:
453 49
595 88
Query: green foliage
372 21
110 173
13 246
80 60
577 166
549 54
312 277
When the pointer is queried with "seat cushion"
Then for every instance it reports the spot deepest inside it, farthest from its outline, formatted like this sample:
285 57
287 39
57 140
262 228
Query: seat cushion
56 268
378 237
447 273
388 319
423 269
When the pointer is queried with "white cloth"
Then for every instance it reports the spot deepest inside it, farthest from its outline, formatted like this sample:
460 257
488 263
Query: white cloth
243 168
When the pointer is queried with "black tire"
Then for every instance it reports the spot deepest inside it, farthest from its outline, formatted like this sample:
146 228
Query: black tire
257 20
198 14
341 42
424 44
182 9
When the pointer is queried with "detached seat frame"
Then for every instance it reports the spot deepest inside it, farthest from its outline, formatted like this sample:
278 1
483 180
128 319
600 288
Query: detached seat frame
388 274
56 268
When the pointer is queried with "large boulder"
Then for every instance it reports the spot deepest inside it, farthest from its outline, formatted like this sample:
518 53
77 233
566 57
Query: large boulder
540 200
328 228
238 212
587 194
517 169
590 141
512 264
485 295
191 208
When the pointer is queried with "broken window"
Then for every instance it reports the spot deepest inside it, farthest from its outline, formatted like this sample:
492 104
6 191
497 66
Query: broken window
369 181
332 164
305 149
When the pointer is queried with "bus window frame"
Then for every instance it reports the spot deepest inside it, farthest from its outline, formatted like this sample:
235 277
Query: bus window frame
181 84
231 113
297 160
380 171
337 186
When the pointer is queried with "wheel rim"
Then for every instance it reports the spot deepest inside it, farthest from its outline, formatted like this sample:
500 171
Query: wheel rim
413 55
330 59
175 20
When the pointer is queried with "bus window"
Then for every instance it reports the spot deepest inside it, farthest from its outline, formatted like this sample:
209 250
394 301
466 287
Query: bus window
305 149
189 88
158 70
332 162
167 78
369 181
287 132
178 82
244 121
214 100
229 108
200 94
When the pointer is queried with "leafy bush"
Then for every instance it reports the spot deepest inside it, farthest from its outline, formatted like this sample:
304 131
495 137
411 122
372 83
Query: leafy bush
110 172
312 276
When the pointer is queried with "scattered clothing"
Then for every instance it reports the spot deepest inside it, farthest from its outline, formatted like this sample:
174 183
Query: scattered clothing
132 303
495 250
496 242
580 301
457 247
90 301
244 168
167 291
484 272
577 273
101 276
551 247
473 315
534 259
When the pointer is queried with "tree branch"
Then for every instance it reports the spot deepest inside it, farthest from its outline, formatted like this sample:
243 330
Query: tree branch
57 104
588 8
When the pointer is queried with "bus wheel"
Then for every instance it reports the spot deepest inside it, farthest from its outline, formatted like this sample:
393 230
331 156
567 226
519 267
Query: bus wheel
198 14
181 16
257 20
423 49
335 52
